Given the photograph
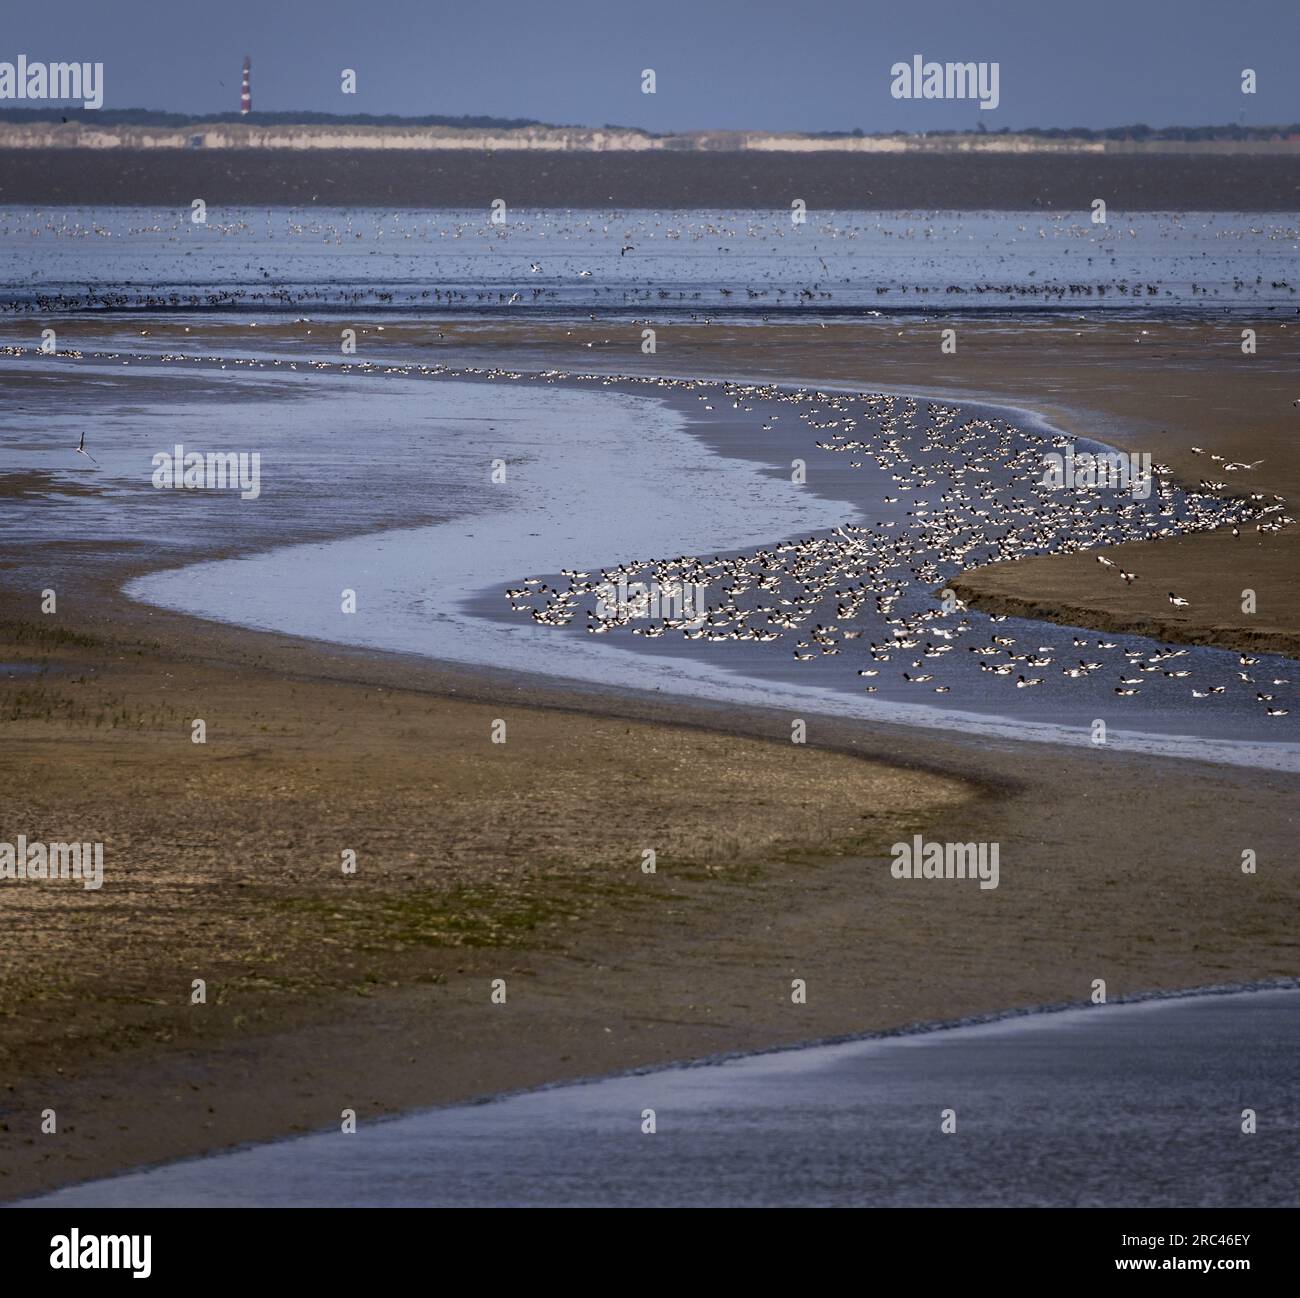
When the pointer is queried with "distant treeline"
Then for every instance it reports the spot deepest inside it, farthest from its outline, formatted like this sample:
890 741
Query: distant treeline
151 117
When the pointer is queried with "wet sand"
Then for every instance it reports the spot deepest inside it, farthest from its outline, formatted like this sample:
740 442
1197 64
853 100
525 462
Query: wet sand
1114 866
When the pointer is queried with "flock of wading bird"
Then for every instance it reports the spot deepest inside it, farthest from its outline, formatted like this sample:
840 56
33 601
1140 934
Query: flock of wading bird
975 494
992 504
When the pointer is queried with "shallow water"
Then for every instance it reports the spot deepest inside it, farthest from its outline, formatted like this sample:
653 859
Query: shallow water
598 474
1123 1105
62 259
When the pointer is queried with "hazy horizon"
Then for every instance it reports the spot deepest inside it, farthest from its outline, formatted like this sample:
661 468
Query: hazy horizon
724 65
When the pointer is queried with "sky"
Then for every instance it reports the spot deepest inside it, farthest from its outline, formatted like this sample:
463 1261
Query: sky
791 65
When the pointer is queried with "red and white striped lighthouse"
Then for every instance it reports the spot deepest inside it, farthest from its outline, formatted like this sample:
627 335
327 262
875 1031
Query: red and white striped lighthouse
245 93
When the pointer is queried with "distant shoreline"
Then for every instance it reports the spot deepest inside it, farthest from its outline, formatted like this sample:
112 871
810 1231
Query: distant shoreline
139 129
655 180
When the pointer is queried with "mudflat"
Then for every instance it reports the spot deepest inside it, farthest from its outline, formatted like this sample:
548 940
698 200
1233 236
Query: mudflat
525 861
